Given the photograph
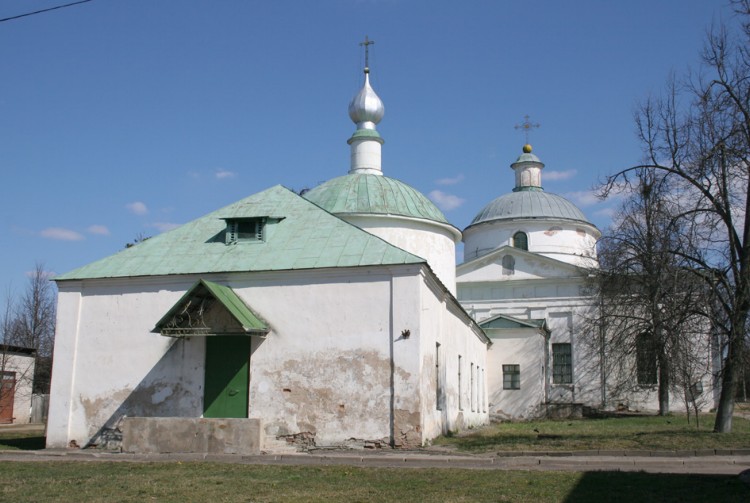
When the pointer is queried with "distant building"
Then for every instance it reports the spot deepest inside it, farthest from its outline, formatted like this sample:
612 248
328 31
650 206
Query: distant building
16 383
528 258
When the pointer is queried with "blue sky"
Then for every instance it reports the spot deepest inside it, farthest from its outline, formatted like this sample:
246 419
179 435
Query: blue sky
128 117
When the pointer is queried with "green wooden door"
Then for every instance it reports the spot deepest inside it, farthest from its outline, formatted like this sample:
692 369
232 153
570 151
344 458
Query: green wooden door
226 380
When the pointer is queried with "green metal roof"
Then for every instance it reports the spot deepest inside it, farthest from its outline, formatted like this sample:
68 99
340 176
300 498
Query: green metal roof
374 194
298 235
174 324
505 321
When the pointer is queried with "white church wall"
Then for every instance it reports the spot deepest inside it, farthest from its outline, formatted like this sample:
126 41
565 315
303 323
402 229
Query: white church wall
324 370
525 266
107 363
694 369
566 317
526 348
432 241
323 373
455 393
567 242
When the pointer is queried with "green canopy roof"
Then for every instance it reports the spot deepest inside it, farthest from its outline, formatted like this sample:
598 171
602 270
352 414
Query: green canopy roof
187 316
297 235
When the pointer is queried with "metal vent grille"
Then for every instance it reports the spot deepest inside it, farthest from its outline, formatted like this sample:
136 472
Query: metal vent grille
249 229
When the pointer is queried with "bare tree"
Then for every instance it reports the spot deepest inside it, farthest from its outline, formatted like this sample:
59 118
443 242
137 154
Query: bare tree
703 147
648 302
29 322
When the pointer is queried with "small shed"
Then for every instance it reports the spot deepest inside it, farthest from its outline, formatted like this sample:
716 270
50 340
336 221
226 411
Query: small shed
16 383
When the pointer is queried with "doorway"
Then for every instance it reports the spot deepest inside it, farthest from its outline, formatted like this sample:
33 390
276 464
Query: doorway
227 374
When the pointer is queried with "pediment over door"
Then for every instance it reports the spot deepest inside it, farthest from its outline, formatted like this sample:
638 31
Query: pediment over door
209 309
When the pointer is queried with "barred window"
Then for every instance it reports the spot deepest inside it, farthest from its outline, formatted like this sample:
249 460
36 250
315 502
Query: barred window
511 377
562 364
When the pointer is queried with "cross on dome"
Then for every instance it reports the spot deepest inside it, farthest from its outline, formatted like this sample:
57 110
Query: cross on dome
527 126
367 43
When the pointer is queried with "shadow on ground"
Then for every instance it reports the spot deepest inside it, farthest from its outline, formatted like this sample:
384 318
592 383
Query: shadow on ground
31 443
663 487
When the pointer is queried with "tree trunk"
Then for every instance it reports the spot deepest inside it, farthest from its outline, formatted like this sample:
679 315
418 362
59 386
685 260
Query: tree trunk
730 375
663 384
724 411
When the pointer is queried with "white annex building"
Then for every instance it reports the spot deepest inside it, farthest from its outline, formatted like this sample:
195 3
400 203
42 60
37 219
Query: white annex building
335 318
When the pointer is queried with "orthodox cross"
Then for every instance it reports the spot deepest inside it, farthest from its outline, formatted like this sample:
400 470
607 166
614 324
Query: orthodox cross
367 43
526 126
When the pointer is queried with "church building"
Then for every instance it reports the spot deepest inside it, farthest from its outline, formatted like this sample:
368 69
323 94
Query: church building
527 257
335 318
279 322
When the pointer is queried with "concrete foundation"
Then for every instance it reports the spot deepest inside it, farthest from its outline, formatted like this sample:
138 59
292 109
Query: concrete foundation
150 435
564 411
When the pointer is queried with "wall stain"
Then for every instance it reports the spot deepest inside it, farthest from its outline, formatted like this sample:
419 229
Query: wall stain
329 392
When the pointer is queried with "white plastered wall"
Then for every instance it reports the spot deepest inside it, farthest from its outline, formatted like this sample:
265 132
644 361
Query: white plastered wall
108 364
526 348
566 311
574 243
434 242
323 371
464 401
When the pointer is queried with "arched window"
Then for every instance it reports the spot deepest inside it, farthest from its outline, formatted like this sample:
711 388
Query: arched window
520 241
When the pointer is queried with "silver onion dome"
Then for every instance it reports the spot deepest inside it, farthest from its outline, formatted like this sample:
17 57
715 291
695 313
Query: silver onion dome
366 109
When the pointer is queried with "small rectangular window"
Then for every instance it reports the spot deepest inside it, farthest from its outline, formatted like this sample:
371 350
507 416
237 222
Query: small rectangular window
472 387
562 364
484 392
438 382
511 376
460 390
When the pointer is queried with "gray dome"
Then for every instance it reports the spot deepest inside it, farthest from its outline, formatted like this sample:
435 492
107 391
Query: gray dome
529 204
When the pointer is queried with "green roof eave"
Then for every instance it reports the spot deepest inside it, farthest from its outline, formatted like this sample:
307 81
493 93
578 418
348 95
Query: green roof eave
502 321
250 322
366 133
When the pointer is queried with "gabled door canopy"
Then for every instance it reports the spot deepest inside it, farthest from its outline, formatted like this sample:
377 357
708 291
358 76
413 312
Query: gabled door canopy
209 309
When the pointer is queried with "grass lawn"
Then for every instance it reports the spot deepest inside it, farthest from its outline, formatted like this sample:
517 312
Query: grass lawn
613 433
183 482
